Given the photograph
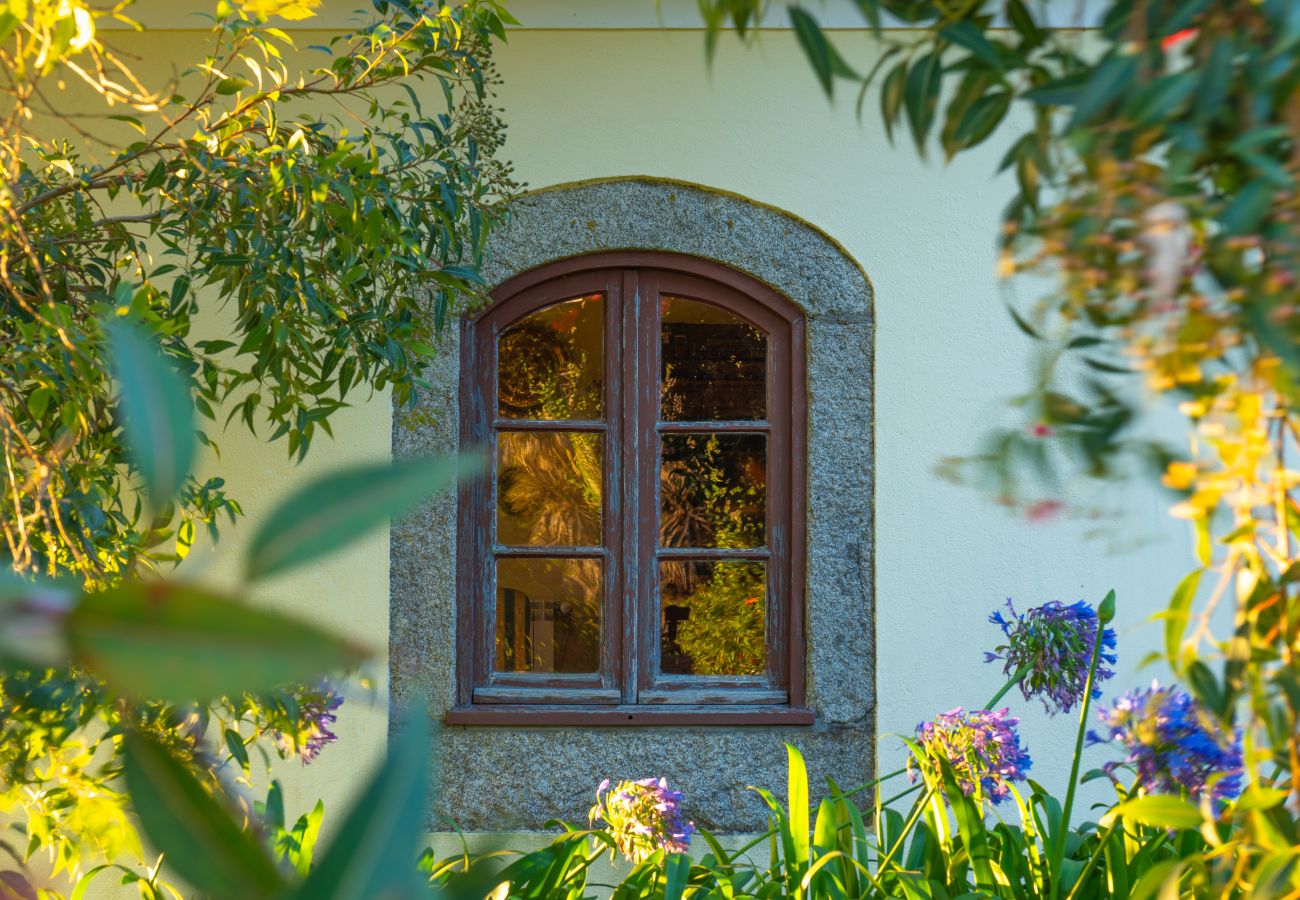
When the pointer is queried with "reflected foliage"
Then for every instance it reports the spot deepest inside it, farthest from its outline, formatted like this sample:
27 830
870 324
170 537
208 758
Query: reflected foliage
714 619
713 364
713 490
549 488
551 363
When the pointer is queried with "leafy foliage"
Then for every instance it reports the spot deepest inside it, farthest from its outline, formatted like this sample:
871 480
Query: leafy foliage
304 202
1155 164
166 685
337 245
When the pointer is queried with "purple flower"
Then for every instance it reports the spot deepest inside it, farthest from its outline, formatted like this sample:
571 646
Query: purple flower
307 734
642 817
1174 744
982 748
1054 641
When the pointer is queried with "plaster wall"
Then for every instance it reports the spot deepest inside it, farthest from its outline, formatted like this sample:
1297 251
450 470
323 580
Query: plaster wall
590 104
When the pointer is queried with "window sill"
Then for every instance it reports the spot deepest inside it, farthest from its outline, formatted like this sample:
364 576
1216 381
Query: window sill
628 715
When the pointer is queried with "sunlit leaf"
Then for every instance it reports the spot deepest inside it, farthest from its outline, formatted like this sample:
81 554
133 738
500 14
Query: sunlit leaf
157 411
335 510
201 839
181 643
373 853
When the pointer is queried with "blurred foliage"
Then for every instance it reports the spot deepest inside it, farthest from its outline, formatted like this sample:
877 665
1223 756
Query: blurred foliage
144 700
326 208
1155 161
333 220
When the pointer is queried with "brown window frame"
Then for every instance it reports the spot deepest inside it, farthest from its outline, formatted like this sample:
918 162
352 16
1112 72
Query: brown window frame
626 691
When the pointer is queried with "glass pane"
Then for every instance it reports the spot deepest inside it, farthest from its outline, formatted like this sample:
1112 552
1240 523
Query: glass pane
713 490
713 364
548 615
713 620
550 364
548 488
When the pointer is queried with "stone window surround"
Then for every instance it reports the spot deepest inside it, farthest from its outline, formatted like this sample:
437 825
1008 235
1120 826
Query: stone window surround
507 778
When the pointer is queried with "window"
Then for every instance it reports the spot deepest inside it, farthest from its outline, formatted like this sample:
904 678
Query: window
637 552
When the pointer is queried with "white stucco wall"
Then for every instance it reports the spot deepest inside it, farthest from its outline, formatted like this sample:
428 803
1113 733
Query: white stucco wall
588 102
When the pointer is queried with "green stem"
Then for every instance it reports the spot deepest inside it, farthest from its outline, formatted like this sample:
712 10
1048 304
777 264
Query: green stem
1103 839
870 784
1002 691
1063 829
901 794
907 828
1101 847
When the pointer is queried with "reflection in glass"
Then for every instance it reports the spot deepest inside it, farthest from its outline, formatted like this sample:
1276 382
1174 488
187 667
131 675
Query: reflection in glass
548 615
713 364
712 490
548 488
550 364
713 620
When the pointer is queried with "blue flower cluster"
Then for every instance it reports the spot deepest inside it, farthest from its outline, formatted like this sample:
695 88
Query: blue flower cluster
981 746
643 817
1174 744
1054 642
307 736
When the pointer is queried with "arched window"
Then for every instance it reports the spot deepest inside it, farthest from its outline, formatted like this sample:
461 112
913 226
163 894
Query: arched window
637 552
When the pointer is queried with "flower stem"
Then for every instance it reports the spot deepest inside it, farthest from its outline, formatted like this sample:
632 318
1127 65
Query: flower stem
870 784
1002 691
1063 829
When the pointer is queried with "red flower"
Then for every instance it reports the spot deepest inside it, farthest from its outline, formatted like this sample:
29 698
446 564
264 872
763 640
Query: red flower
1171 41
1042 431
1044 510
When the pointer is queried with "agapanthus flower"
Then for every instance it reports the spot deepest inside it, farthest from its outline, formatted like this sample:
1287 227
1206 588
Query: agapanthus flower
1055 642
308 734
981 746
1174 744
643 817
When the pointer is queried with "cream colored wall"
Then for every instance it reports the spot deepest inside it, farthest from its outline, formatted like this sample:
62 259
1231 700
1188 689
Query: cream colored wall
585 104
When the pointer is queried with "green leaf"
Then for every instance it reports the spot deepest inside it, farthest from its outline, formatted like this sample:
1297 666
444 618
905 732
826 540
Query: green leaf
1257 797
1058 92
335 510
797 787
232 85
1023 325
967 34
921 96
984 115
1177 616
1023 22
1159 99
1216 79
201 840
1247 208
374 851
827 63
1158 811
677 870
157 411
1107 83
181 643
891 97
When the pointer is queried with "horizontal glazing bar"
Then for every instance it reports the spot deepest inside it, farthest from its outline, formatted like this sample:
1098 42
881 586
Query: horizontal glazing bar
715 426
549 425
711 553
548 551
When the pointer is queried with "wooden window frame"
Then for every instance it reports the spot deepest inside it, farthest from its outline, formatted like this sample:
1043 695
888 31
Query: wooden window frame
626 691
